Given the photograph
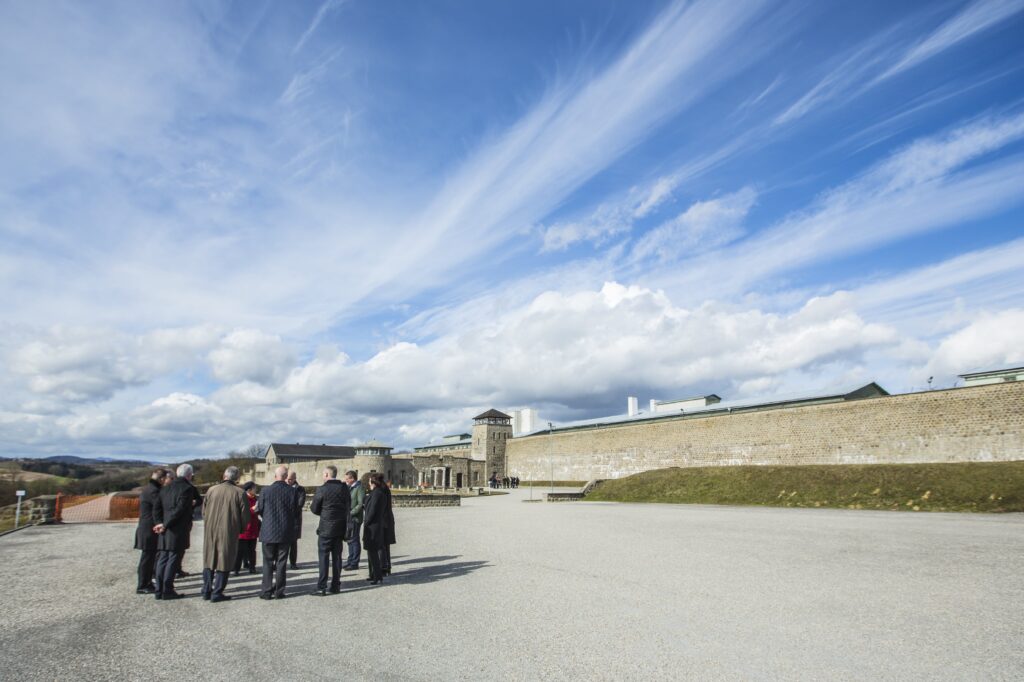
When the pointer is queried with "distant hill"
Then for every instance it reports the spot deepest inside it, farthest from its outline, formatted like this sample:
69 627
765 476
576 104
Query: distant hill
73 459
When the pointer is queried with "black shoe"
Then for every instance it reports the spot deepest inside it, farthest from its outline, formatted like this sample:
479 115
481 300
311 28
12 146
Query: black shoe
376 582
335 590
280 595
387 572
294 567
252 570
319 593
266 597
236 572
206 596
182 574
350 568
220 597
149 589
173 595
158 595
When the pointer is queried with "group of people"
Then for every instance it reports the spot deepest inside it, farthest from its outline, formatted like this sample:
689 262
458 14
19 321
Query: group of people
235 518
503 482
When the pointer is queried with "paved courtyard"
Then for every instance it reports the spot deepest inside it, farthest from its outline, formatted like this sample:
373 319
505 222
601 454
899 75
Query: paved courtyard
502 589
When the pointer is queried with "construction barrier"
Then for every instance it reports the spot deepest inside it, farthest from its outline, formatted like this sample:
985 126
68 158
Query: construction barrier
96 508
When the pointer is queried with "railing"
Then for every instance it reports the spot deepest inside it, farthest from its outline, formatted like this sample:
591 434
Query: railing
96 508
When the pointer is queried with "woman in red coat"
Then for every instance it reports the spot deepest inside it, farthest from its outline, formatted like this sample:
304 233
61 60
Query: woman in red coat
247 538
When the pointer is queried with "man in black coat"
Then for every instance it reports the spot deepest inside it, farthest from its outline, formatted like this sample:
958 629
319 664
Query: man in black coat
279 509
332 504
172 515
300 493
145 538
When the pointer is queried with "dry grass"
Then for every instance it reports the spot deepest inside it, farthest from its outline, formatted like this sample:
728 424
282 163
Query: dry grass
961 487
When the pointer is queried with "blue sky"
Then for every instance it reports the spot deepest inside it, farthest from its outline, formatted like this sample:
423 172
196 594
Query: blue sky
228 223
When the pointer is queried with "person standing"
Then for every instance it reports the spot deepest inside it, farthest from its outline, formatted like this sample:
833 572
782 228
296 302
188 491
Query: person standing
355 520
279 515
300 494
375 537
226 514
248 537
197 501
332 503
389 533
145 538
173 517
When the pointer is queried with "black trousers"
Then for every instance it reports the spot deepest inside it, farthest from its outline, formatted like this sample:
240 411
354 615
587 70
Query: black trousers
354 548
375 558
246 554
293 553
167 562
214 582
147 564
385 559
275 566
329 551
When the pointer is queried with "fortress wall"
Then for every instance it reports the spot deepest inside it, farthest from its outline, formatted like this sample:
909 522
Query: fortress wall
979 423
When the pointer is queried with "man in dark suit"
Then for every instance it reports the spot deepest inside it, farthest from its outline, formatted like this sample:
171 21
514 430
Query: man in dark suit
279 510
172 515
332 504
300 494
145 538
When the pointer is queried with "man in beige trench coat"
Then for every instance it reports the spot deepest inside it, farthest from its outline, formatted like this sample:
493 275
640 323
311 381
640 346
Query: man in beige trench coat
225 515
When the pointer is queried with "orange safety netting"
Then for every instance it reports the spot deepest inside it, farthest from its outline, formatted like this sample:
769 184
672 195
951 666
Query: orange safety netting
94 508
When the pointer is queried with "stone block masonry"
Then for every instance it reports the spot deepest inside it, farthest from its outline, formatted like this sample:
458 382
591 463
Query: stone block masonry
971 424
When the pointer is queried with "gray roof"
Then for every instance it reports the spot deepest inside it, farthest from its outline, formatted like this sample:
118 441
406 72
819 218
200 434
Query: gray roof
868 390
987 372
313 451
465 443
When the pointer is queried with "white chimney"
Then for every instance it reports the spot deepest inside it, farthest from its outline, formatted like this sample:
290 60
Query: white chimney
631 406
654 406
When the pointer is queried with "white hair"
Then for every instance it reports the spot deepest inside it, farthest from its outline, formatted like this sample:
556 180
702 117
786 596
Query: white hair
184 470
231 474
281 472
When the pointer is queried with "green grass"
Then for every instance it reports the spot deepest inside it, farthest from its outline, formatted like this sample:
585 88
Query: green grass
962 487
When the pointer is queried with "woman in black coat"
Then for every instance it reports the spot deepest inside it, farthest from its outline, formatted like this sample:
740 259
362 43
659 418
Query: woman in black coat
375 527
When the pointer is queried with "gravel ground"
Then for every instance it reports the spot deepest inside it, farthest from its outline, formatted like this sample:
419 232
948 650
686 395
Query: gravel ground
499 589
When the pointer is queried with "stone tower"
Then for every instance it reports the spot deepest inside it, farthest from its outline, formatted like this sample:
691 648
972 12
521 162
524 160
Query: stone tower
491 431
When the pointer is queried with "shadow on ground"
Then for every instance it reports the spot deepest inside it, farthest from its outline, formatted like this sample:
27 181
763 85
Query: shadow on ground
303 580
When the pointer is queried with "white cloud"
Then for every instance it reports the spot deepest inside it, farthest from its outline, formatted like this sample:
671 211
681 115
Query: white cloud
975 18
992 340
703 226
250 355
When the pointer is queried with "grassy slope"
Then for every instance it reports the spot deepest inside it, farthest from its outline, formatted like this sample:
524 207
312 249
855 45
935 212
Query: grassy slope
981 486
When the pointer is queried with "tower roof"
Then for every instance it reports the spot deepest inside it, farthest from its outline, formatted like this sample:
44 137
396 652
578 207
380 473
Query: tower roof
492 414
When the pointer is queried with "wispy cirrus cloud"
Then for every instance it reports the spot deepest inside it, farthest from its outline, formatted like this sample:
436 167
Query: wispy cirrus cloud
978 16
325 9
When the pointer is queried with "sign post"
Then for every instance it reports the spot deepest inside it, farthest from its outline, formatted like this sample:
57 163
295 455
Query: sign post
17 510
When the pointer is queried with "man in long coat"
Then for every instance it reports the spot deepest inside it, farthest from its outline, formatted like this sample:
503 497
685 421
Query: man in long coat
332 504
225 515
145 538
278 508
172 515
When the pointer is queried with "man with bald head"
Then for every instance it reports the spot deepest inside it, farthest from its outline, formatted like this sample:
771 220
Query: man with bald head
278 508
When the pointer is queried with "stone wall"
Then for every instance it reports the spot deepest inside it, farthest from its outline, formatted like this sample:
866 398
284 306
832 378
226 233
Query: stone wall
978 423
426 501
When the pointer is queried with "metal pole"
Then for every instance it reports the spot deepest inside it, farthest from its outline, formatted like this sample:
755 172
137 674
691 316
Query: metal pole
17 510
551 461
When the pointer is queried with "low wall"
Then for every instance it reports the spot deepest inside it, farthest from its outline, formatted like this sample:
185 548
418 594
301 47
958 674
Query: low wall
426 501
563 497
971 424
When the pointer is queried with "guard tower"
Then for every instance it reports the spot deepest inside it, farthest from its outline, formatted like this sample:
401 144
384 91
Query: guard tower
491 431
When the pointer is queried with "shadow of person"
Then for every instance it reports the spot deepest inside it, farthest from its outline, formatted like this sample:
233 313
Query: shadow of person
434 572
422 559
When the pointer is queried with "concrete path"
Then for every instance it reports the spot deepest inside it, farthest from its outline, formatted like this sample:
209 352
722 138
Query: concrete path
502 589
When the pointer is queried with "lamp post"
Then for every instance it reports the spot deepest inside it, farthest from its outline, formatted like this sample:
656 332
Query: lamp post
551 461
